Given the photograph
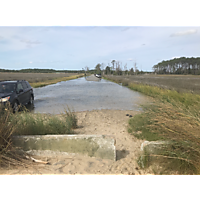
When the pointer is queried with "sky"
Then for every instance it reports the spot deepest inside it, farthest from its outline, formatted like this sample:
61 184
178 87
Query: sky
75 47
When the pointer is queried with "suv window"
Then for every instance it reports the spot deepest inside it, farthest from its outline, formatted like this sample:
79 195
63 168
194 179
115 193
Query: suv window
29 86
19 87
7 88
24 85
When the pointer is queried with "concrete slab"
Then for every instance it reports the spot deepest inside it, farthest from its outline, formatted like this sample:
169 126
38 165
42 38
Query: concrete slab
92 145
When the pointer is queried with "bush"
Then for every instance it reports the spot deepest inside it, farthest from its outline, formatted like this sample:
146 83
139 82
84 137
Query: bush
41 124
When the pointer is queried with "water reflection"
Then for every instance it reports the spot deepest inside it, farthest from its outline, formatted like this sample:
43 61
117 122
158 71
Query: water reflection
92 78
87 93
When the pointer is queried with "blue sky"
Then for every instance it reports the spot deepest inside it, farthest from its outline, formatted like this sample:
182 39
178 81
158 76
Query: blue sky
74 47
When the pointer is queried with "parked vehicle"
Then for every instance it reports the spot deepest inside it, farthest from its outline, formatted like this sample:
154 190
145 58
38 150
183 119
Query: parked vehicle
98 75
17 93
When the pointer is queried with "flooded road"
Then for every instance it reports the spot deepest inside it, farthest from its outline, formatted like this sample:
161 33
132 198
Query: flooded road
86 94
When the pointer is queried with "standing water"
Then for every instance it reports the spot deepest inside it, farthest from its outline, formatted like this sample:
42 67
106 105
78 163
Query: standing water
82 95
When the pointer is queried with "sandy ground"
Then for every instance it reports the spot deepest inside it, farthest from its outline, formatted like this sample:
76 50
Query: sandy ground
102 122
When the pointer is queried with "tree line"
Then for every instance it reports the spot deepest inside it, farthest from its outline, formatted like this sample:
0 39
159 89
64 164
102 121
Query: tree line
181 65
116 68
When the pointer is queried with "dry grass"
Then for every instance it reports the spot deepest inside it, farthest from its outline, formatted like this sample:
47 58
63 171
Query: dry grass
54 81
180 83
175 123
33 77
8 154
40 79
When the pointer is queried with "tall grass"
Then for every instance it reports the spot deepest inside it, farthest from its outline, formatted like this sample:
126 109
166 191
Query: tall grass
8 154
173 117
41 124
25 123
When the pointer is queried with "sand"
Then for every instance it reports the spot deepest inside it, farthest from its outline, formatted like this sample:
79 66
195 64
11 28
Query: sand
98 122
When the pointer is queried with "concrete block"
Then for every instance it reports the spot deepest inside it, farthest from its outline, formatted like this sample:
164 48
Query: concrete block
152 148
92 145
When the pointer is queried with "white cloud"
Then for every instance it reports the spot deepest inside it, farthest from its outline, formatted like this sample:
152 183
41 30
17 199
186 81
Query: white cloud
30 42
130 59
30 62
189 32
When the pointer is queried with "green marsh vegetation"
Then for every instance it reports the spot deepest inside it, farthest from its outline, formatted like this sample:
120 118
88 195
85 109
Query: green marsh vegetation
174 117
26 123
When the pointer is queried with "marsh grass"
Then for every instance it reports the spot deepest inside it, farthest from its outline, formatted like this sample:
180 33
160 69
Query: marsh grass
173 117
40 79
8 154
178 123
26 123
33 77
180 83
41 124
54 81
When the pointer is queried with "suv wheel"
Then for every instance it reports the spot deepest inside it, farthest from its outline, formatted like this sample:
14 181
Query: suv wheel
15 107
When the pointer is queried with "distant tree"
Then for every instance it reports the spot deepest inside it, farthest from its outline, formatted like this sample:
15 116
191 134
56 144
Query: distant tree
125 69
113 63
135 66
98 69
180 65
107 70
118 68
103 68
131 71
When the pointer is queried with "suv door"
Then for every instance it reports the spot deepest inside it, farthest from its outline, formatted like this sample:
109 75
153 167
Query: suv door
21 95
30 89
26 92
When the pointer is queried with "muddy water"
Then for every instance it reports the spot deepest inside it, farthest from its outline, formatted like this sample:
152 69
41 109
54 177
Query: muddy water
86 94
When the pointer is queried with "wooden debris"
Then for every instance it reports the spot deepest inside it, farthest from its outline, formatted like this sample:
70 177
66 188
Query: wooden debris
35 160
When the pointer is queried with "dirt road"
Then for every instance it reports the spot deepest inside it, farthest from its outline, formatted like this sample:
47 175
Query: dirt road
103 122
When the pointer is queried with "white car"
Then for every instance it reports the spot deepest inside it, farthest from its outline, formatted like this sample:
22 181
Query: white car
98 75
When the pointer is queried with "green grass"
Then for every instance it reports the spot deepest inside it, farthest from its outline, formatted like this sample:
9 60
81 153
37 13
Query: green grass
41 124
168 123
138 126
6 130
173 117
25 123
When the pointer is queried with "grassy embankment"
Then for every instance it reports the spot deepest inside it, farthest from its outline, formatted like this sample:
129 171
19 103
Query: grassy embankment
173 117
54 81
40 79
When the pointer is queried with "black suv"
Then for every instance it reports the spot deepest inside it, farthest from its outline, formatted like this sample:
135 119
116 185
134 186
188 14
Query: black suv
16 92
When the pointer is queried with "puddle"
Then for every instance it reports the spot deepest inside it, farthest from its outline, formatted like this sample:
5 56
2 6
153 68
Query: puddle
86 94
